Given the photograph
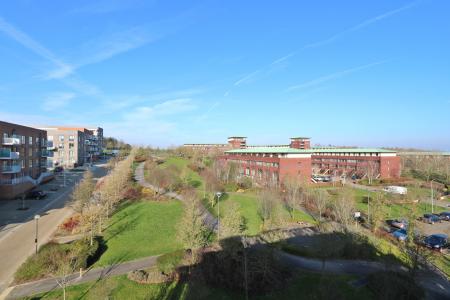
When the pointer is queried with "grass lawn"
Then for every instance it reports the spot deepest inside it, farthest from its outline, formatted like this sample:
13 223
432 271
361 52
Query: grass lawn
302 286
141 229
442 261
182 164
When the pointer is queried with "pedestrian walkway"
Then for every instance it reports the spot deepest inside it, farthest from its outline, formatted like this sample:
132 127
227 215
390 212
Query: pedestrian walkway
209 219
49 284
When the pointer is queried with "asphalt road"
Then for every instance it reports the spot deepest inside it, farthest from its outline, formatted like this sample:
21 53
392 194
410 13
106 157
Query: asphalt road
18 227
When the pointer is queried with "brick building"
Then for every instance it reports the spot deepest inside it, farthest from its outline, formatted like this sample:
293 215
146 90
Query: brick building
298 159
74 146
23 159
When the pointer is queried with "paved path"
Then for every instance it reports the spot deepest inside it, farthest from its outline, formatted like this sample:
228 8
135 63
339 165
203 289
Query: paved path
436 286
17 237
209 219
45 285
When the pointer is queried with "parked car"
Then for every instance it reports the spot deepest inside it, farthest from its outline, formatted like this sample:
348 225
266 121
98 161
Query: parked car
36 194
436 241
400 234
431 218
401 224
445 215
58 169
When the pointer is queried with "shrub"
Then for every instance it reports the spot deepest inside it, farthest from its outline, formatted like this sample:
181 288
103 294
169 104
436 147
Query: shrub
42 264
71 223
392 285
245 183
132 193
167 263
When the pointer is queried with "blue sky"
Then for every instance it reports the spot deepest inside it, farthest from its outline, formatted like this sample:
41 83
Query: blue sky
366 73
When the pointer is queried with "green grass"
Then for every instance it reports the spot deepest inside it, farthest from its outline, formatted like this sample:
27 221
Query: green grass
302 286
141 229
182 164
248 209
442 261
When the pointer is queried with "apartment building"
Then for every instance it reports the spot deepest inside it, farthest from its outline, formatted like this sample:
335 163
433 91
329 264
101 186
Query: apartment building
273 163
74 146
68 146
23 159
96 142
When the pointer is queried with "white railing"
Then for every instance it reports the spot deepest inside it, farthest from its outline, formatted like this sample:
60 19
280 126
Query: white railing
11 141
11 169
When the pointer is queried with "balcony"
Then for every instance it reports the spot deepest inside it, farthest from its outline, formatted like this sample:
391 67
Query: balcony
11 169
46 153
12 140
12 181
8 154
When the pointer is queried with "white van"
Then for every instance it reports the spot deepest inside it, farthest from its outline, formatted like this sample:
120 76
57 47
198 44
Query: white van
396 190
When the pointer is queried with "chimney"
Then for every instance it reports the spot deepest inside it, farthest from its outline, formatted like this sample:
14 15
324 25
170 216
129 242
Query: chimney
237 142
300 143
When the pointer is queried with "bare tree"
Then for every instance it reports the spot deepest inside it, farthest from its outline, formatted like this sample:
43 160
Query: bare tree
372 171
192 230
64 264
293 189
82 192
343 208
269 208
232 223
320 199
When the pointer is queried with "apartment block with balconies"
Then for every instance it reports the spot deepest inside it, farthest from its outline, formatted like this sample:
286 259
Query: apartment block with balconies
23 159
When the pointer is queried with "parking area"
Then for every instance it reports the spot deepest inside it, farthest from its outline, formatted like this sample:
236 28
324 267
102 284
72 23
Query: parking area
18 211
427 229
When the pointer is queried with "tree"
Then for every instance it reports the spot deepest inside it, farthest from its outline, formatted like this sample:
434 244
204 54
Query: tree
64 264
293 188
268 207
376 212
372 171
320 199
343 208
82 192
232 223
192 232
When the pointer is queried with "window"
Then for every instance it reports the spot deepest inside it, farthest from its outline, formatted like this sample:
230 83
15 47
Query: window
71 138
30 163
30 140
61 138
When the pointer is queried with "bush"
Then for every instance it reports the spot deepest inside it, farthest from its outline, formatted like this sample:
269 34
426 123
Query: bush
71 223
392 285
132 193
245 183
167 263
42 264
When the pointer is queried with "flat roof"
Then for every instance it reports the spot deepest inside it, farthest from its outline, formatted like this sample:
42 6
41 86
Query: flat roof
352 150
269 150
313 150
300 137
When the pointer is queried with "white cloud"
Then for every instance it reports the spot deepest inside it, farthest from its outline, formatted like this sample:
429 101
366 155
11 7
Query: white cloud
326 78
57 101
361 25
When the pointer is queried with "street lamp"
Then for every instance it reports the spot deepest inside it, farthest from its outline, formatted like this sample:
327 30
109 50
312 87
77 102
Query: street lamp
36 217
432 197
218 195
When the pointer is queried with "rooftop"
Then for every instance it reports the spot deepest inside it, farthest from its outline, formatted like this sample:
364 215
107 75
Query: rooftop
313 150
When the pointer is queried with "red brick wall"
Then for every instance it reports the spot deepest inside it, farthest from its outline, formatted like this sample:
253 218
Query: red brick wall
390 167
295 167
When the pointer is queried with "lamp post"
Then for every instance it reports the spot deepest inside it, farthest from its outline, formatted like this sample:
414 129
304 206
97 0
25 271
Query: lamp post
218 194
432 197
36 217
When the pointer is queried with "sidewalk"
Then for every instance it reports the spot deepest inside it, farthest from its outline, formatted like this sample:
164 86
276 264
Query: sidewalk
49 284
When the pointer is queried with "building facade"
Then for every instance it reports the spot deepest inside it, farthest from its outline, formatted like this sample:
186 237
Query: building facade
273 163
23 159
73 146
